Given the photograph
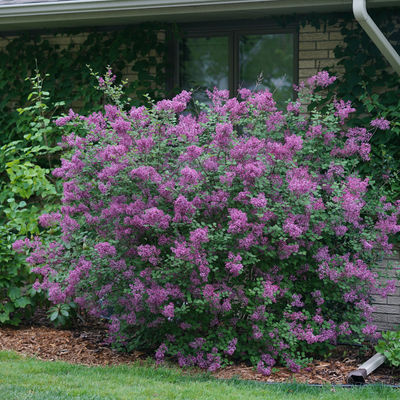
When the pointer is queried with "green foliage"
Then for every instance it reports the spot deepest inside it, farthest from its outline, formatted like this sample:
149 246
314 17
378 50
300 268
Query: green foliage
28 188
390 347
13 274
62 314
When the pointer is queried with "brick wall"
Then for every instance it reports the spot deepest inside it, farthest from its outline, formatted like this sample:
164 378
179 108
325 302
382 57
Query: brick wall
387 313
316 49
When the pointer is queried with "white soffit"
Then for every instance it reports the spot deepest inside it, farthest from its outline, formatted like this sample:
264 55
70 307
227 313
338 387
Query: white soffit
21 14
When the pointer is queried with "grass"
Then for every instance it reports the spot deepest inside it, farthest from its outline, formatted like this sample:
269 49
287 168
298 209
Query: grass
24 378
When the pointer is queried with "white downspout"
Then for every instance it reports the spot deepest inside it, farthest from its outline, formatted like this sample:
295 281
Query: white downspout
369 26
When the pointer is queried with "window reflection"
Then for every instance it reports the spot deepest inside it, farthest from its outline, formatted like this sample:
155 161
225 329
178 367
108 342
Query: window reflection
203 65
204 62
271 55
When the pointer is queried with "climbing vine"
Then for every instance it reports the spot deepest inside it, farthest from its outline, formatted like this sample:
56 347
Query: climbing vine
70 79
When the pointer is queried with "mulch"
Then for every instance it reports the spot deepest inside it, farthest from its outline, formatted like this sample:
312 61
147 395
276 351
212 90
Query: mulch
84 344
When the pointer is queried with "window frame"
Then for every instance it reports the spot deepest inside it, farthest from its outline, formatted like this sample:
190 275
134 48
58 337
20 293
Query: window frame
231 29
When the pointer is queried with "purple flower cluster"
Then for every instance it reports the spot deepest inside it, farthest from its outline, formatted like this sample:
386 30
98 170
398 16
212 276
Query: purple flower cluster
321 79
381 123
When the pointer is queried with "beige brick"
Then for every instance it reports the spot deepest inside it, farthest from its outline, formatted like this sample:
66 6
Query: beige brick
66 40
394 256
389 273
65 47
393 300
380 300
336 36
131 76
394 319
307 73
397 292
77 104
384 327
334 28
12 37
307 64
382 264
327 45
309 55
388 309
380 318
308 29
307 46
326 63
309 37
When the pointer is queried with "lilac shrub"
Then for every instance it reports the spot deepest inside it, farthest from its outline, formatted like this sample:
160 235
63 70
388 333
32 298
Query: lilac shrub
239 232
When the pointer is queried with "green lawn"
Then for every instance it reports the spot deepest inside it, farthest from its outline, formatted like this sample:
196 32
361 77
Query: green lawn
27 378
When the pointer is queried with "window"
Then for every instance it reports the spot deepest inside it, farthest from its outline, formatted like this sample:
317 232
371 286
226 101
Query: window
235 56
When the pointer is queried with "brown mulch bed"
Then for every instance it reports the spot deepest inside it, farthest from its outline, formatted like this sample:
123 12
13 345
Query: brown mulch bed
84 344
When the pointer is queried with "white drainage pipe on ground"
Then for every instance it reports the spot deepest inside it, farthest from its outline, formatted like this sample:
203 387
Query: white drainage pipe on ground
358 376
369 26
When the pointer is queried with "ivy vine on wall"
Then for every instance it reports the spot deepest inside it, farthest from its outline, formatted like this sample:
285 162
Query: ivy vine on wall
69 78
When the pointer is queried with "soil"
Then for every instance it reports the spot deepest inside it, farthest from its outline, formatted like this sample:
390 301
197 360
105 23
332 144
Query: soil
84 344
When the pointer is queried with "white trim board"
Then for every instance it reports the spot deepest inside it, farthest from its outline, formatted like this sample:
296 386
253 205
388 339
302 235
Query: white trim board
50 14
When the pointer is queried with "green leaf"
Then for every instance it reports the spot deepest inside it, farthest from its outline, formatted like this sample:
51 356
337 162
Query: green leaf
354 78
22 302
72 304
360 59
4 317
370 70
14 293
9 307
54 316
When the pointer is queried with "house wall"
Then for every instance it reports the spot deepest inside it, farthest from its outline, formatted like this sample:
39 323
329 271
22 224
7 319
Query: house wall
316 49
387 313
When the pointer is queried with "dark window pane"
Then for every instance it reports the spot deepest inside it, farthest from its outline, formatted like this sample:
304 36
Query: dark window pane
271 55
203 64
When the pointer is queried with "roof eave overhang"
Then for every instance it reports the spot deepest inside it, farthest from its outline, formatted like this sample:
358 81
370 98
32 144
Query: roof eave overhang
115 12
